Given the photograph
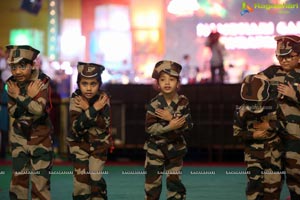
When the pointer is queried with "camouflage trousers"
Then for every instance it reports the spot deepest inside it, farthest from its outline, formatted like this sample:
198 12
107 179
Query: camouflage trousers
31 160
88 162
264 170
291 161
164 159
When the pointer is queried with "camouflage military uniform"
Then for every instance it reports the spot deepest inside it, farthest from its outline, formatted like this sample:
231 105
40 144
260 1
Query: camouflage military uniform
263 157
31 142
89 142
165 149
263 153
290 109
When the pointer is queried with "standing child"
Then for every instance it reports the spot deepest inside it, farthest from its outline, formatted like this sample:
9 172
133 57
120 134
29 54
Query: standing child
168 119
287 74
256 123
30 138
89 139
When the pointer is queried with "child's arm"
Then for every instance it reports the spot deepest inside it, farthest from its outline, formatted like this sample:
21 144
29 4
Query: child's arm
159 121
38 95
290 91
34 101
240 127
84 116
155 125
13 92
185 111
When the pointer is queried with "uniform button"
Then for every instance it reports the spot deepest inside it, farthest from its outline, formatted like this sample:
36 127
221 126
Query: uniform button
92 148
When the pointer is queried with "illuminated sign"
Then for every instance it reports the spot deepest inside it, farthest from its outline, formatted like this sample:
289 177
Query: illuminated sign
249 35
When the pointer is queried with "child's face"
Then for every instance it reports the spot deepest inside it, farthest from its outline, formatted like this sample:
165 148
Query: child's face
89 87
168 84
289 62
21 71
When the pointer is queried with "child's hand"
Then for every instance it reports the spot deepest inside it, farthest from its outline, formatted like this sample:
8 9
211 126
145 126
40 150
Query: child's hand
260 135
100 103
81 103
13 90
176 123
163 114
286 90
262 125
34 88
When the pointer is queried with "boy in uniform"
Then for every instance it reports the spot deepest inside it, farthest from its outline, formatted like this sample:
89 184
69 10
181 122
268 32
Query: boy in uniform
90 137
30 138
168 119
263 152
287 75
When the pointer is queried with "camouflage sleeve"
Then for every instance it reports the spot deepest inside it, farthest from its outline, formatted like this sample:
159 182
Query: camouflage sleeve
37 105
270 71
240 127
13 110
295 98
293 78
184 109
155 125
81 120
277 126
23 104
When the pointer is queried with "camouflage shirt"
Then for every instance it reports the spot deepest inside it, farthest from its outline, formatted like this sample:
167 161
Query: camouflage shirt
289 106
158 128
244 121
89 125
31 112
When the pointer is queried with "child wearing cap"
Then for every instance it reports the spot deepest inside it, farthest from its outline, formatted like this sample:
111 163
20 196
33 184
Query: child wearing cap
287 79
30 138
89 139
263 150
168 119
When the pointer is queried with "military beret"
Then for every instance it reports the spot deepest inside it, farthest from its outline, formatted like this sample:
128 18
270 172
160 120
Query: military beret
167 66
89 70
254 88
286 44
17 53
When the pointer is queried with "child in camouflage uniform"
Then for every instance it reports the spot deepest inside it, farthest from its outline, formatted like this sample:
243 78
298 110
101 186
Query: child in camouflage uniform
89 139
256 123
30 138
168 118
287 75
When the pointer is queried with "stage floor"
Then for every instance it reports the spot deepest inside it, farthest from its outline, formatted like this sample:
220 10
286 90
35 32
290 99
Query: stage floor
217 181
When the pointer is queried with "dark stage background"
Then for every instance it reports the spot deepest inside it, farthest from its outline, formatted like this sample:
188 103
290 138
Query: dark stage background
212 107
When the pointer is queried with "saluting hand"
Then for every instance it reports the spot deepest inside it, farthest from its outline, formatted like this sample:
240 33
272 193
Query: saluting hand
163 114
260 135
81 103
176 123
13 89
100 103
34 88
286 90
262 125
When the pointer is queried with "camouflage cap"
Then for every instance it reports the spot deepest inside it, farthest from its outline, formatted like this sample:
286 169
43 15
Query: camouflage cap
254 88
89 70
286 44
16 53
167 66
